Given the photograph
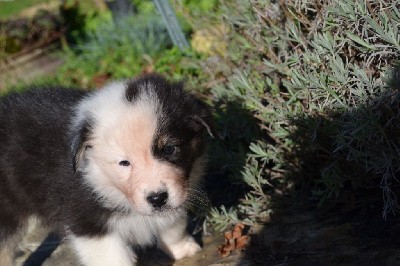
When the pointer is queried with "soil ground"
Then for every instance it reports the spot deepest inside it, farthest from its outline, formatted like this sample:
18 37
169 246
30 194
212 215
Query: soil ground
301 235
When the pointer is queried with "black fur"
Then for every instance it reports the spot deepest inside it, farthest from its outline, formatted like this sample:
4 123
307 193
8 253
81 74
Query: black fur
184 118
36 170
79 136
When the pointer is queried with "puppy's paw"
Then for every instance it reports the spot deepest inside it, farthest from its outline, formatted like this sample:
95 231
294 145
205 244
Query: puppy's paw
185 248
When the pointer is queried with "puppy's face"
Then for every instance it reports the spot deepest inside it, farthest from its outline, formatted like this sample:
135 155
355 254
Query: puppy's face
143 144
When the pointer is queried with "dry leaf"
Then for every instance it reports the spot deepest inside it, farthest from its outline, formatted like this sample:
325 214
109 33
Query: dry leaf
237 231
148 69
234 240
100 79
242 242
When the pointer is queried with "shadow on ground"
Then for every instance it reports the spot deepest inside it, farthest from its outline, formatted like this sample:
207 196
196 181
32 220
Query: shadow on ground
334 216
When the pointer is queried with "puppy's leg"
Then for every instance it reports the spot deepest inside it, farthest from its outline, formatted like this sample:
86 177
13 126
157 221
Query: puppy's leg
10 236
176 242
103 251
8 247
7 250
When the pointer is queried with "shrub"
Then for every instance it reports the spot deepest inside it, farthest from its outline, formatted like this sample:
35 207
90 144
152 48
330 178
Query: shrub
123 48
23 34
314 75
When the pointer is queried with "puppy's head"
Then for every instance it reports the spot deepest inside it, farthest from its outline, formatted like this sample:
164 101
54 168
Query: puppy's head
140 143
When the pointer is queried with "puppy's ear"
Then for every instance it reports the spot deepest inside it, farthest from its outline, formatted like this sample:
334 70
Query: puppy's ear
79 143
203 118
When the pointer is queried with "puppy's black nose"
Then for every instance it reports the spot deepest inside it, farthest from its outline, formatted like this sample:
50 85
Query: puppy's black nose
157 200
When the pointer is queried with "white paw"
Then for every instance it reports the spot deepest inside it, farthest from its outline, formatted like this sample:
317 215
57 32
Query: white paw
185 248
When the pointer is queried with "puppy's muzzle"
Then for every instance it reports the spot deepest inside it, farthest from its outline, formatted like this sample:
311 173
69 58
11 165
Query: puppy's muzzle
157 199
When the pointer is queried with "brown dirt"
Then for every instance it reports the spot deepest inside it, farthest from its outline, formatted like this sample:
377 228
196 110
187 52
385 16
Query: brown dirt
26 68
31 11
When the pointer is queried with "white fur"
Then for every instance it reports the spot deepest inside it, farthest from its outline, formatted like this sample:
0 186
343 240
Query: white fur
175 241
103 251
145 229
100 103
112 249
169 231
125 131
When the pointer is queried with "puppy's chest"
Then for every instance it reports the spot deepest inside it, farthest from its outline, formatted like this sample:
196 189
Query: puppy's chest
140 230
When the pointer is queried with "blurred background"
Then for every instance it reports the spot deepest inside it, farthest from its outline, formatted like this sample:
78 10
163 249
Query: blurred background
92 40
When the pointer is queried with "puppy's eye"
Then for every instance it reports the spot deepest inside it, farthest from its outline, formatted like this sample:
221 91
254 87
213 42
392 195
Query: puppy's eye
124 163
169 150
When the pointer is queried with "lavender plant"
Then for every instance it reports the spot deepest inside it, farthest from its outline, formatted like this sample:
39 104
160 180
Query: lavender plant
315 76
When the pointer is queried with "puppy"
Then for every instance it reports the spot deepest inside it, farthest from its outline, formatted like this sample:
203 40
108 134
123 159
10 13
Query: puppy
107 169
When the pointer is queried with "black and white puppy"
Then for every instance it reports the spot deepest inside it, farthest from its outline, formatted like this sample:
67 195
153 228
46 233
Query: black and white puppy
107 169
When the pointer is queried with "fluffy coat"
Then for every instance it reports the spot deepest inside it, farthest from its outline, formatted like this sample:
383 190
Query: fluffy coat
106 169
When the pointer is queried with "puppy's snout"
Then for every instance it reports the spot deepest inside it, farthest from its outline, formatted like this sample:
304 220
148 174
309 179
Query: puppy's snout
157 199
